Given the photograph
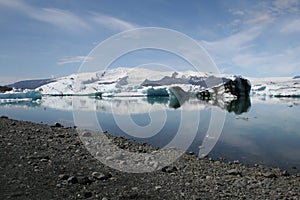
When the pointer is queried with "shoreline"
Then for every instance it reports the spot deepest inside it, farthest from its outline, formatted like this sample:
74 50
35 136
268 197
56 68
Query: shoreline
39 161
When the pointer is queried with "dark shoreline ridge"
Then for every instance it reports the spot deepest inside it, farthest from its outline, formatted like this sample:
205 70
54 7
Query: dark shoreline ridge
42 162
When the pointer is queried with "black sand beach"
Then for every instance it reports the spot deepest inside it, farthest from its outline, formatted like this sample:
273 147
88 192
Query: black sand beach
42 162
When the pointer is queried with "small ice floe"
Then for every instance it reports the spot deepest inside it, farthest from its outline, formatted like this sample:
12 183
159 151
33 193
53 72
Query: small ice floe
19 94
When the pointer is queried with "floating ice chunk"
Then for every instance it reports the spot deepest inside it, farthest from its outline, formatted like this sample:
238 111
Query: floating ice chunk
26 94
157 92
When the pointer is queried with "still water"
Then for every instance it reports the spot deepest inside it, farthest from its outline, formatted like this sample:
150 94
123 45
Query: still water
257 130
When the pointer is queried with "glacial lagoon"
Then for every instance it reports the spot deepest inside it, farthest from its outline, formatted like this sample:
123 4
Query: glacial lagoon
255 131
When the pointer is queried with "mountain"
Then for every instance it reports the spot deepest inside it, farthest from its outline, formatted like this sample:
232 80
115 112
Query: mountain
31 84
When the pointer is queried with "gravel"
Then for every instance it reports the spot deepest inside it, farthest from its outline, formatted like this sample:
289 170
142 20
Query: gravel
43 162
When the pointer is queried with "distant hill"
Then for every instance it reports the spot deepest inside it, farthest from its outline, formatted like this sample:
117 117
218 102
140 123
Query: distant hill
31 84
296 77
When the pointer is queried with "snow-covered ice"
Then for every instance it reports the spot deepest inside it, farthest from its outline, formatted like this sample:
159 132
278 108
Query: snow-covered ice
131 82
275 87
21 94
137 81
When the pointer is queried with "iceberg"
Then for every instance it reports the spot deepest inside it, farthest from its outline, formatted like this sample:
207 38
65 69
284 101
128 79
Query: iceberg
26 94
161 92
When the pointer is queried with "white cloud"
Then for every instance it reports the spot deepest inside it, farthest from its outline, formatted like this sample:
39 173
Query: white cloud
224 49
112 22
65 19
286 5
237 12
283 63
260 18
292 27
61 18
239 51
76 59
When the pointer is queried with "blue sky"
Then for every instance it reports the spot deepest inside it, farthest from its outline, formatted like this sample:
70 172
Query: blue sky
42 39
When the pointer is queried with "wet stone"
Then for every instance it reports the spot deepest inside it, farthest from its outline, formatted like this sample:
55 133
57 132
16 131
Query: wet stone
58 125
87 194
72 179
84 181
101 176
169 169
234 172
86 134
269 175
63 177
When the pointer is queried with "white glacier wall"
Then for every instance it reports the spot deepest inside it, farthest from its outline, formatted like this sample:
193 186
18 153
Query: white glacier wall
136 82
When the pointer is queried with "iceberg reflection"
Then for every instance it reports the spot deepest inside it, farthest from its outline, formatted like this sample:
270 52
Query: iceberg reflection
133 105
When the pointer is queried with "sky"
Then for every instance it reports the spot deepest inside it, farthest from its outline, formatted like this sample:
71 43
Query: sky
44 39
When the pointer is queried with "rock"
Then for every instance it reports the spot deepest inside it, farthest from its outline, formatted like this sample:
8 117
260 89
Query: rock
269 175
134 188
60 136
44 160
63 177
4 117
234 172
169 169
72 179
285 173
87 194
236 162
86 134
84 181
45 157
58 125
158 187
101 176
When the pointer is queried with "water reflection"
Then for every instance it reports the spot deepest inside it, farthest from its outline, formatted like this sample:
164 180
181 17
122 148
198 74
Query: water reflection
20 103
237 106
135 104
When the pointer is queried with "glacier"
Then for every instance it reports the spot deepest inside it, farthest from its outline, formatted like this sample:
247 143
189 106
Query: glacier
136 82
123 82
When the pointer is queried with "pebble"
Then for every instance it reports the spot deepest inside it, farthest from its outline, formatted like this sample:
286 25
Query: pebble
86 134
88 194
236 162
269 175
84 181
72 179
63 177
58 125
158 187
101 176
134 188
285 173
169 169
234 172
